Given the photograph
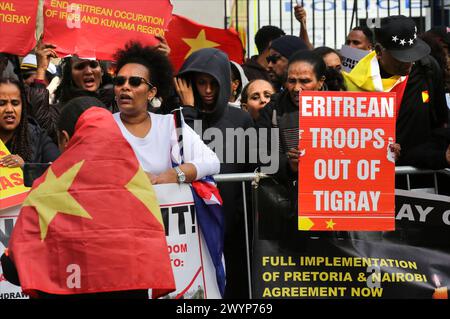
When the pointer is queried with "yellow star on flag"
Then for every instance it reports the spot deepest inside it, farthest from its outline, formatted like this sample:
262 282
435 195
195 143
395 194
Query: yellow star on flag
52 197
141 187
330 224
200 42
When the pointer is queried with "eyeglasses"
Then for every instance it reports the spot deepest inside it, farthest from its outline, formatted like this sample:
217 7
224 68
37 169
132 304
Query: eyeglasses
134 81
93 64
273 58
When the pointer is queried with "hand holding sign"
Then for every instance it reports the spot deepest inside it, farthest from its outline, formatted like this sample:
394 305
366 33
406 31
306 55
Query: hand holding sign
162 46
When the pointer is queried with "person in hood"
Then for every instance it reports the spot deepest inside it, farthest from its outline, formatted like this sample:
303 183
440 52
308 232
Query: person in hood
203 85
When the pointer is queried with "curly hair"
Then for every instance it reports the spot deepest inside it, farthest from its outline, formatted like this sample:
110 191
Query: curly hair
20 142
158 65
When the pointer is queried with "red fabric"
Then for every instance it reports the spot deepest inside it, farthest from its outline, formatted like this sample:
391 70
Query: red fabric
106 25
17 26
182 28
123 246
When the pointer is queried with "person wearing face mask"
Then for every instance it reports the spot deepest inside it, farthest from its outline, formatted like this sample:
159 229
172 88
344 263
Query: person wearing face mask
203 85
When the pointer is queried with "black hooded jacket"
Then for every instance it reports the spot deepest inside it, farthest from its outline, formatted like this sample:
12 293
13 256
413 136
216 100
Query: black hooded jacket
215 63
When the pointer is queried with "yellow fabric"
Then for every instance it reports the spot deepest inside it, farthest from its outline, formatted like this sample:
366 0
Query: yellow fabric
56 188
425 97
11 177
363 76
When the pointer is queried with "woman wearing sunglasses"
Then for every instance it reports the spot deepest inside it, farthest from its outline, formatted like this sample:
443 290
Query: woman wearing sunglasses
143 73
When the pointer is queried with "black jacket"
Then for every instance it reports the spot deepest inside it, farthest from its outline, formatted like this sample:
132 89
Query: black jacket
47 114
43 150
42 147
215 63
253 70
419 120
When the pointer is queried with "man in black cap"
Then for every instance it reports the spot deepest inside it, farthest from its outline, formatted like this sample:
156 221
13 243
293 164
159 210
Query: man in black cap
280 51
398 46
423 111
422 121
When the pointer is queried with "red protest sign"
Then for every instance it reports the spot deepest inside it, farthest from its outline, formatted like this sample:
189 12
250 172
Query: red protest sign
97 28
17 26
347 172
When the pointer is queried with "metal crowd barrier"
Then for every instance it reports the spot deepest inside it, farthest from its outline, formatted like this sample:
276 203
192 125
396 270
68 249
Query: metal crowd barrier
251 177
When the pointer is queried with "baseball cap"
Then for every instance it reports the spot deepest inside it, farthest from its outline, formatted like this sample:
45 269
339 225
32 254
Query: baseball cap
398 35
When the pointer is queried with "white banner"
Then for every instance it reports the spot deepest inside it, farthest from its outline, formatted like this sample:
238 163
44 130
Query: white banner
191 263
8 218
351 57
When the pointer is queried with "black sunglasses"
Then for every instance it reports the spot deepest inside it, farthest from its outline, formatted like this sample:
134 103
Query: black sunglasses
273 58
134 81
93 64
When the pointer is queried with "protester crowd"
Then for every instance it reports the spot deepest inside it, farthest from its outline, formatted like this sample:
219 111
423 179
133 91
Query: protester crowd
144 93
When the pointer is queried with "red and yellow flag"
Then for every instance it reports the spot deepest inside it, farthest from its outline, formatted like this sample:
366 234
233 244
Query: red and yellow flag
186 36
92 222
